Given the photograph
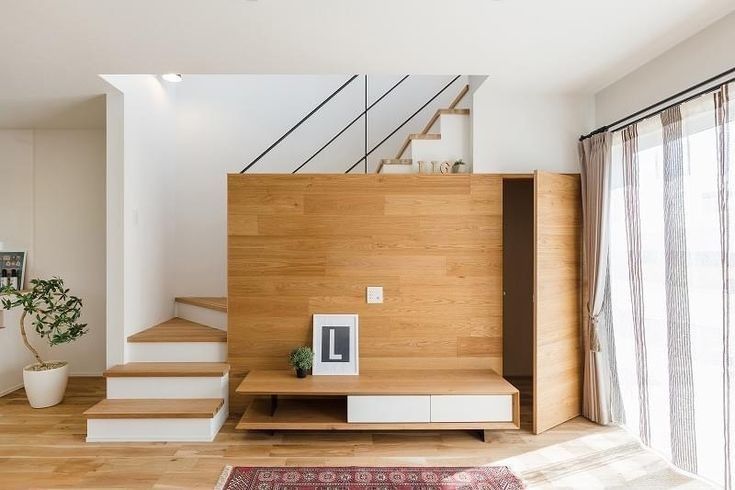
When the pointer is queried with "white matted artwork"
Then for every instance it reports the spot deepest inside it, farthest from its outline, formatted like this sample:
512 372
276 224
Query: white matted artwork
336 344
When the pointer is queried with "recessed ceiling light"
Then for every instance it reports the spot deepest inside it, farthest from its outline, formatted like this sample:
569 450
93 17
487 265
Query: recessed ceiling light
172 77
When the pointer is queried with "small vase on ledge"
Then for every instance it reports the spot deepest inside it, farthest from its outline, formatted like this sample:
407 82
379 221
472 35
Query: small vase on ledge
301 373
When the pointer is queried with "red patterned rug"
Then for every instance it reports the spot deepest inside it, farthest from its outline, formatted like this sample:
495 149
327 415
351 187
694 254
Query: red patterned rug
356 478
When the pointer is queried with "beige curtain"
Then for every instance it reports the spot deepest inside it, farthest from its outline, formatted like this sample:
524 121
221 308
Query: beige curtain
595 158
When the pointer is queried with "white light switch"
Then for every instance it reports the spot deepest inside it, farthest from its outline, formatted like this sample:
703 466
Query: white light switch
375 294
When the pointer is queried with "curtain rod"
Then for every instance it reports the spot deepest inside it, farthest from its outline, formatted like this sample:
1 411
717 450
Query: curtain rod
646 112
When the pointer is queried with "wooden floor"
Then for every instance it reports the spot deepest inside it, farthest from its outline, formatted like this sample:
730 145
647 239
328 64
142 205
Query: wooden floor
46 449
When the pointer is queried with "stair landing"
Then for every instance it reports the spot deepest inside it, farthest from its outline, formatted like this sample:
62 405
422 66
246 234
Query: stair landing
179 330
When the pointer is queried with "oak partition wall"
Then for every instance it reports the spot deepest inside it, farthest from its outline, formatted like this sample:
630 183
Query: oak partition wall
304 244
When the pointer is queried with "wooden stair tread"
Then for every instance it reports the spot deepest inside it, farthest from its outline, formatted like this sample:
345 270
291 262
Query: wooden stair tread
455 112
168 369
425 136
212 303
155 408
179 330
396 161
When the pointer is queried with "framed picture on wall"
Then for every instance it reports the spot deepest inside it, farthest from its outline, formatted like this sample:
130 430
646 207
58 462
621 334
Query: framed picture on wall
336 349
13 269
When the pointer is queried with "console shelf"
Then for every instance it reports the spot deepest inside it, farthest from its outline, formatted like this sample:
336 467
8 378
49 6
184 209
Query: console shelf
436 389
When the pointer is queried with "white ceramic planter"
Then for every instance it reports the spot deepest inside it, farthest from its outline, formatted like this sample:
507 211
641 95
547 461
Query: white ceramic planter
45 388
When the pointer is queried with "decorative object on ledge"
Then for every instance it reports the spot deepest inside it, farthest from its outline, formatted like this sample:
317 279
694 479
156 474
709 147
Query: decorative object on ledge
12 269
425 167
459 167
55 317
336 344
302 359
351 477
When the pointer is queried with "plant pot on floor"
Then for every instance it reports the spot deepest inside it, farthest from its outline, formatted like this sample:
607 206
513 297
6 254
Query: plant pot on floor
46 387
301 373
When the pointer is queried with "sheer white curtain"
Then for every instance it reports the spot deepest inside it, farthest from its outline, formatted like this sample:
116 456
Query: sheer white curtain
669 299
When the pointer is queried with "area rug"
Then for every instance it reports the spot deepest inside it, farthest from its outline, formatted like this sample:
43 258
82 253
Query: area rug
349 478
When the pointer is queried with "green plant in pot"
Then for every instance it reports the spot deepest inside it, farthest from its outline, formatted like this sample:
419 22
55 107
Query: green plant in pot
301 359
459 167
54 315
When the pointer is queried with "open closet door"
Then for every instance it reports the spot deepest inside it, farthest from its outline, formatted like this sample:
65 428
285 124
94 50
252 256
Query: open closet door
557 361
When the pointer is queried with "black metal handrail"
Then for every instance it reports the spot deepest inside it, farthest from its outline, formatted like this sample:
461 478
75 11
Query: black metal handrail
403 123
349 125
364 114
303 119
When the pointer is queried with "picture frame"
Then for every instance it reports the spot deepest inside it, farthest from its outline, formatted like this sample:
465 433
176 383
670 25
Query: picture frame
336 344
13 267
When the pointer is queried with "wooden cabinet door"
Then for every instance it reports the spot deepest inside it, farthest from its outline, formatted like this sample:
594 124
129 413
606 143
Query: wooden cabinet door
557 360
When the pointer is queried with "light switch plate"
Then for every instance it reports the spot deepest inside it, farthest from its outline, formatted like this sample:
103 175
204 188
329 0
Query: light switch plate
375 294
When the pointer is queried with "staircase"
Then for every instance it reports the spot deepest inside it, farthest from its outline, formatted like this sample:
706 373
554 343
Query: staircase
175 385
451 143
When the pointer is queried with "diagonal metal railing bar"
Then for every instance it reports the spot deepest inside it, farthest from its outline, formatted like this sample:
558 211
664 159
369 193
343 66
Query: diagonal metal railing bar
295 126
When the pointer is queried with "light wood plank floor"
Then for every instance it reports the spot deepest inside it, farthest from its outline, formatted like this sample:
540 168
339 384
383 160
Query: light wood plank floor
46 449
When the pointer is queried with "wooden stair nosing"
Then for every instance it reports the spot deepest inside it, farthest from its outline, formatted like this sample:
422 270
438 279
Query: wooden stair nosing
155 408
439 112
209 302
168 370
179 330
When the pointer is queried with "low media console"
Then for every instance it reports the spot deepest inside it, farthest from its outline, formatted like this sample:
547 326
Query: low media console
381 400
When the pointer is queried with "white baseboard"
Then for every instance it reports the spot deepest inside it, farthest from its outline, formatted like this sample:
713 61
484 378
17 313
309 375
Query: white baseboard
10 390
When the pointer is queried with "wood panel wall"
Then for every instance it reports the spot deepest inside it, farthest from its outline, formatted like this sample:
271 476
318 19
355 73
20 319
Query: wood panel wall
304 244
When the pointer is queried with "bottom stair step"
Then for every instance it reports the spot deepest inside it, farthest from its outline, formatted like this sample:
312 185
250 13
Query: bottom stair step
156 420
146 408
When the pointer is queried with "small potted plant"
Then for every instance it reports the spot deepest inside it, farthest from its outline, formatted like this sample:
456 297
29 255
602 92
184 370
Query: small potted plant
54 314
301 359
459 167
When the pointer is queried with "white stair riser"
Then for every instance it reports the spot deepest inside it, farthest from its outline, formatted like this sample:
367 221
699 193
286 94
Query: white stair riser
398 169
205 316
177 352
156 430
168 387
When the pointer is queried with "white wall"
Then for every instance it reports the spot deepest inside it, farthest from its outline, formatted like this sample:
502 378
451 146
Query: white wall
515 131
696 59
55 210
143 139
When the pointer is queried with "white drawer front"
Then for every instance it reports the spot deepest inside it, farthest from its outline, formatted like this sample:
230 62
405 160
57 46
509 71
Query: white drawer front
388 408
471 408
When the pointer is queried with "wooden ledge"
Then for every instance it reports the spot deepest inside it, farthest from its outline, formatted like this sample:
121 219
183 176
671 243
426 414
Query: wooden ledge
444 382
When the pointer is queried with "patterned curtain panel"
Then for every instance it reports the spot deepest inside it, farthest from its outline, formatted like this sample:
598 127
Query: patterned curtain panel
669 299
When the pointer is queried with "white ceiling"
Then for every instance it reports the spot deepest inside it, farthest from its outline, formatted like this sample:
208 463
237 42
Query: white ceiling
52 51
